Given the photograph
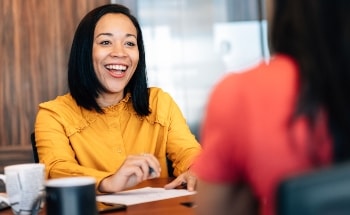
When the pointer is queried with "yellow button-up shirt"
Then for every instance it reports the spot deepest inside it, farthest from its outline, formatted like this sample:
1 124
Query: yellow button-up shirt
73 141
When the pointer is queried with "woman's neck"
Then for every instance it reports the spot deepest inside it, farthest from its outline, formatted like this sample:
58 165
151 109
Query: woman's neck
107 99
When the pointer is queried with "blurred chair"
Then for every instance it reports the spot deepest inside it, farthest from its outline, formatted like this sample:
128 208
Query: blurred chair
319 192
35 152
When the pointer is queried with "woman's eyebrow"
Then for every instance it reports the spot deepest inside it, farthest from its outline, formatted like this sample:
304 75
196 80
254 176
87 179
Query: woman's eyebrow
110 34
104 34
131 35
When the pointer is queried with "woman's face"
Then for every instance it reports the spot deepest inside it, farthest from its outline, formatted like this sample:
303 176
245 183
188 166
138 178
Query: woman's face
115 53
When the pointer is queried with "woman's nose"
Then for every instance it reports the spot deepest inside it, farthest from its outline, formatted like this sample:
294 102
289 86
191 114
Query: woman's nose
118 51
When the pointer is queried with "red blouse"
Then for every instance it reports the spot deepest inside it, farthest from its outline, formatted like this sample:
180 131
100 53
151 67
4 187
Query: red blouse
246 136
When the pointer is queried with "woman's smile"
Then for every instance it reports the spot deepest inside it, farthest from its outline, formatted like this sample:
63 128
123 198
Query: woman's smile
116 70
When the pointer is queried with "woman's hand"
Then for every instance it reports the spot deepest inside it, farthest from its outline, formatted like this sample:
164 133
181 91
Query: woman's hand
135 169
186 179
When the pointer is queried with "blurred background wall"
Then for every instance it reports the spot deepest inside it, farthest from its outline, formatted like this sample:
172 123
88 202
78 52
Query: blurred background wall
35 41
190 45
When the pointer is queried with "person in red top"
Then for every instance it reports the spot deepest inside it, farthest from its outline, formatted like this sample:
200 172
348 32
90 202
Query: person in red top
283 117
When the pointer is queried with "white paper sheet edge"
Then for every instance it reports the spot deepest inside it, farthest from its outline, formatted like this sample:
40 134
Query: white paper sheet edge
142 195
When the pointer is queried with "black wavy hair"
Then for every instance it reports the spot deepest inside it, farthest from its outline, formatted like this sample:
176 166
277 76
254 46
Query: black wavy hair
83 83
316 33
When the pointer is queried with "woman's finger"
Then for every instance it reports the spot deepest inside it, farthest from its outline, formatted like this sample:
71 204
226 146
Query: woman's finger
191 181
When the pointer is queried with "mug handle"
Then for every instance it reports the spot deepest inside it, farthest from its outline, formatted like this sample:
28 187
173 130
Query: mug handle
37 204
3 178
4 200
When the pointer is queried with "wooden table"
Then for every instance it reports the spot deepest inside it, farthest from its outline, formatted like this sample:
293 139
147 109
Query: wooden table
171 206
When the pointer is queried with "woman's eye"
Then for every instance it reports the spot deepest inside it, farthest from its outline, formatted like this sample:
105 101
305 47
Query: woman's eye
130 44
104 42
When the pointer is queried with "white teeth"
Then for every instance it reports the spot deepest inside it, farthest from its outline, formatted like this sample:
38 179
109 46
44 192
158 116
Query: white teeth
116 67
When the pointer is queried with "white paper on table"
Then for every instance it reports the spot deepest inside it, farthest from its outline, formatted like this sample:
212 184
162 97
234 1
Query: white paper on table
142 195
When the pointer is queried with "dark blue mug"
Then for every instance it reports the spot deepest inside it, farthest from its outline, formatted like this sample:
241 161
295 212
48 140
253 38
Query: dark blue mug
69 196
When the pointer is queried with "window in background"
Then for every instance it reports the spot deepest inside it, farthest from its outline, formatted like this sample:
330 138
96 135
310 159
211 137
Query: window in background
191 44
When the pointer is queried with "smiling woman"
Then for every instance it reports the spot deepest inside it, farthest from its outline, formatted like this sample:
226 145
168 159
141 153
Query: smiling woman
110 118
115 56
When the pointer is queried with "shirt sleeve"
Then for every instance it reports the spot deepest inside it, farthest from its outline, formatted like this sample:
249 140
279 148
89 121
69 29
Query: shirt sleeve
182 146
55 151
